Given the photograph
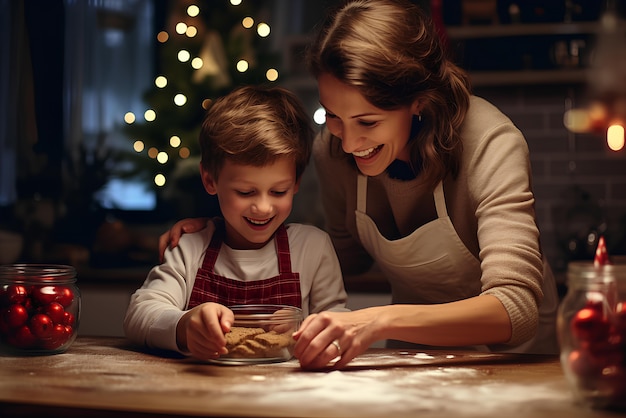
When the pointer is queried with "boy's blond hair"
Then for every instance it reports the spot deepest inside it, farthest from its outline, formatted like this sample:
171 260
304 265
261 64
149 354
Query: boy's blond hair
255 125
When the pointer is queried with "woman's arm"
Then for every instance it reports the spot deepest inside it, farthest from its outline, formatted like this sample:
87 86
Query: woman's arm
474 321
170 238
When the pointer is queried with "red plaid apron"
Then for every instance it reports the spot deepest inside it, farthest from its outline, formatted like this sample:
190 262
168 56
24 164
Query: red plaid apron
283 289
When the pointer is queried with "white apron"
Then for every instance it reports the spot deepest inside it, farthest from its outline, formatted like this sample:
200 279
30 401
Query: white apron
432 265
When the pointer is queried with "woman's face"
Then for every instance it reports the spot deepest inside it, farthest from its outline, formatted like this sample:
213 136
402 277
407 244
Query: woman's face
375 137
254 201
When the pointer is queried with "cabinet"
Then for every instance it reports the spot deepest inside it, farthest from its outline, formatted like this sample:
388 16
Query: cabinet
524 53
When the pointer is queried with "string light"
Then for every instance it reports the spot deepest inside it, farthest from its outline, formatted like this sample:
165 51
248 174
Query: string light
242 66
197 63
149 115
191 31
263 29
247 22
193 10
180 99
175 141
163 37
159 180
181 27
160 81
138 146
129 117
183 55
162 157
271 74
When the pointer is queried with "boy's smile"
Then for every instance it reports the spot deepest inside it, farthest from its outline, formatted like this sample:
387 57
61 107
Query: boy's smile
254 201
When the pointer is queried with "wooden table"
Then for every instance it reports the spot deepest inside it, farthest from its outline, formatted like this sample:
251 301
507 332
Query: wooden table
105 377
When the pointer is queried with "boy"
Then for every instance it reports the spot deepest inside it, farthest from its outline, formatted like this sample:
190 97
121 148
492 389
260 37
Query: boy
255 144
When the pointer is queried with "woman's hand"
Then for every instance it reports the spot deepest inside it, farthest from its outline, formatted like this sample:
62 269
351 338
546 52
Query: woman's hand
172 236
326 336
201 330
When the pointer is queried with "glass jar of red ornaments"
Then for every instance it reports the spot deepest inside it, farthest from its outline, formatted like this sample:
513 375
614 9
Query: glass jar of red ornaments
39 308
592 333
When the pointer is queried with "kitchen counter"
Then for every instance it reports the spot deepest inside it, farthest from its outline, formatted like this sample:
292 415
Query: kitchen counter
102 377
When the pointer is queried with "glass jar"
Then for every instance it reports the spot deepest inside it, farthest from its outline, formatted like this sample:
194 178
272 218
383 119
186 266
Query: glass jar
39 308
592 333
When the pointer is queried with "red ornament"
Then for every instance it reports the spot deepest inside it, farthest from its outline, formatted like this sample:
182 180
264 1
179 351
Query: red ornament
22 338
65 296
590 324
55 311
43 295
41 326
15 316
15 293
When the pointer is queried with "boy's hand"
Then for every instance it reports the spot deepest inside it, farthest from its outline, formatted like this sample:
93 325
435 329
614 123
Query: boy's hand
171 237
201 330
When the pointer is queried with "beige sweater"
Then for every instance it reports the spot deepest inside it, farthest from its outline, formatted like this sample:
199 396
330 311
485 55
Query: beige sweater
491 206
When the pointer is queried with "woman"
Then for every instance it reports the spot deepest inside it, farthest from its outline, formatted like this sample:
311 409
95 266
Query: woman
430 183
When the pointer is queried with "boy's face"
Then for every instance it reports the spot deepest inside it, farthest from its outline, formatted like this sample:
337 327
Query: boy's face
254 201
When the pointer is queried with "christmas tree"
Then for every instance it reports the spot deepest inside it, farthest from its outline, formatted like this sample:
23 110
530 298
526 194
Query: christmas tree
205 49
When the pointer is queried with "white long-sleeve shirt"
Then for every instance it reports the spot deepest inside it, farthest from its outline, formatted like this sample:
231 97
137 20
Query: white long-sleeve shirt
156 307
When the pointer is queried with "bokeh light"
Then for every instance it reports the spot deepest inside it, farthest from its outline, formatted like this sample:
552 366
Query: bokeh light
180 99
149 115
183 55
159 180
163 36
153 152
319 116
162 157
129 117
191 31
184 152
139 146
160 81
197 63
615 137
193 10
181 27
247 22
271 74
263 29
175 141
242 66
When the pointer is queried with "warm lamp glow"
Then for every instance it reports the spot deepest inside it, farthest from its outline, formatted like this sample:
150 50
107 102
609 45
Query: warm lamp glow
577 120
615 137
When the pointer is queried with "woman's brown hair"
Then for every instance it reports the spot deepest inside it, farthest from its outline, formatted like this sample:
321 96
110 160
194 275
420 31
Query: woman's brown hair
390 51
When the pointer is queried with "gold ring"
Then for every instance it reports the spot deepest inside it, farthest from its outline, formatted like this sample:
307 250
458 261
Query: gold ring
336 344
